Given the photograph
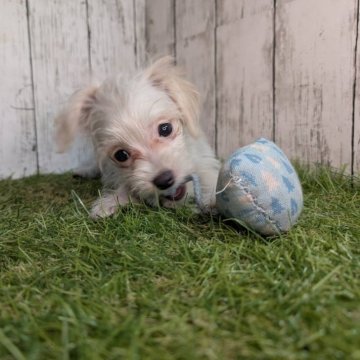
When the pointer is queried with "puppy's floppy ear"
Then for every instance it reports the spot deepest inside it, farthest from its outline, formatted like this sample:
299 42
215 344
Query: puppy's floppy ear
75 117
164 75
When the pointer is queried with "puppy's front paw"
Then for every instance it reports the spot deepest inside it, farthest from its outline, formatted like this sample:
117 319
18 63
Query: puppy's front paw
108 204
103 207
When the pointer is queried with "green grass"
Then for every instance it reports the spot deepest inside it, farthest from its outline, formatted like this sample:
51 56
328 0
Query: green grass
161 284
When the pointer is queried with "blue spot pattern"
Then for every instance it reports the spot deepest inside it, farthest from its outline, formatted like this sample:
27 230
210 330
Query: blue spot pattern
288 168
235 165
253 158
290 187
248 178
276 206
294 207
265 195
280 152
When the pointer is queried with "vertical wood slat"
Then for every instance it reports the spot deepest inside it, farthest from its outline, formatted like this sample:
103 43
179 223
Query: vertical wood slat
244 42
315 43
17 123
356 142
140 32
195 52
59 42
160 28
112 37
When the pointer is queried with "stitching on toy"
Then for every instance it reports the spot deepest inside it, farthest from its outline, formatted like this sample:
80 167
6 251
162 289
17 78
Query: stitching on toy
237 180
224 188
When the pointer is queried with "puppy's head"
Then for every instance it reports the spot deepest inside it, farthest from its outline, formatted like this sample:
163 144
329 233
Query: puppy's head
142 129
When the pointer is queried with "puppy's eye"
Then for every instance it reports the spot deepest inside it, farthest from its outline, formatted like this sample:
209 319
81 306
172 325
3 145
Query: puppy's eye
165 129
121 155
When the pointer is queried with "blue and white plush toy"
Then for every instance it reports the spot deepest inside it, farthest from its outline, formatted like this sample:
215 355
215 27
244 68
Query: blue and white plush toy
259 187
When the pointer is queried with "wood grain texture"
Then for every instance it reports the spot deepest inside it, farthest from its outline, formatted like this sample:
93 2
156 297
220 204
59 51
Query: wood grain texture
356 142
315 43
59 42
244 75
195 53
112 37
160 28
17 123
140 32
229 11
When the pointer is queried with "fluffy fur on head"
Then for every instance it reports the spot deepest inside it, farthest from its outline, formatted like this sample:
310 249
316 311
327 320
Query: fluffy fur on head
146 135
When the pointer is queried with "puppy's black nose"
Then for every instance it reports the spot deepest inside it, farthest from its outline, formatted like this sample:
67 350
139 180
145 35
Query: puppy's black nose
164 180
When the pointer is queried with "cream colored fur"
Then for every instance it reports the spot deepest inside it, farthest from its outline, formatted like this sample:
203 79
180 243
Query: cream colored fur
124 114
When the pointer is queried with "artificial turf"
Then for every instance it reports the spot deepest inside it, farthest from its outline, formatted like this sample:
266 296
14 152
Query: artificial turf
163 284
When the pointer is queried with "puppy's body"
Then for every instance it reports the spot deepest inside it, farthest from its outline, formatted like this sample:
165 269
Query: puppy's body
146 136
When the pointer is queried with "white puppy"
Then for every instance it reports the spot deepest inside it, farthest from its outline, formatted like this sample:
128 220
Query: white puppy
147 138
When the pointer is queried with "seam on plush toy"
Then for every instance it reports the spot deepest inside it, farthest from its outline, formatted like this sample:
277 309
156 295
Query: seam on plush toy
274 223
224 188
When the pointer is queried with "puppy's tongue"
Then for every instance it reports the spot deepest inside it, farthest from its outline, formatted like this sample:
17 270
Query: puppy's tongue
179 193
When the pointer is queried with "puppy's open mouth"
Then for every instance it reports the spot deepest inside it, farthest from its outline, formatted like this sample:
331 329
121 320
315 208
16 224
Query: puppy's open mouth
178 194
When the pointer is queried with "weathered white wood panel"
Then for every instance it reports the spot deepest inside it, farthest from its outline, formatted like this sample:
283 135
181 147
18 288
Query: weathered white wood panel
244 48
160 28
140 32
17 123
112 37
59 40
315 43
195 52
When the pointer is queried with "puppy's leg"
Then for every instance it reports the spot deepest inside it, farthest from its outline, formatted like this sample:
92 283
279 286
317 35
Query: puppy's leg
109 203
87 172
208 180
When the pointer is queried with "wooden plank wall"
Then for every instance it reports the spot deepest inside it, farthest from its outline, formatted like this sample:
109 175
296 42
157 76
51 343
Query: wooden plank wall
195 52
58 35
17 121
284 69
244 77
49 49
314 79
